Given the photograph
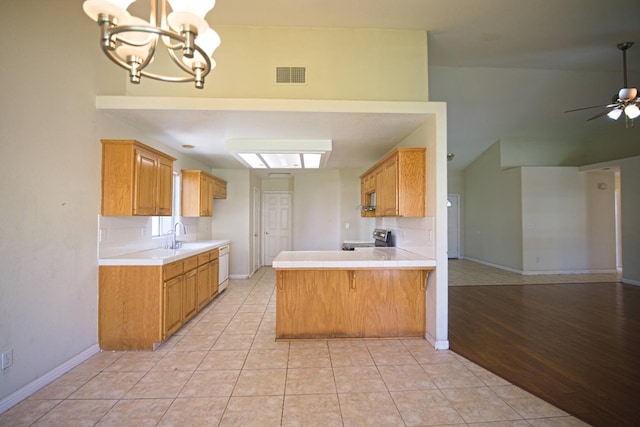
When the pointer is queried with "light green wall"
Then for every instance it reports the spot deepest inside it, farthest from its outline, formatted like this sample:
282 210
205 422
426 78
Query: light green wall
355 64
493 212
232 218
532 152
50 190
316 211
568 223
538 219
280 184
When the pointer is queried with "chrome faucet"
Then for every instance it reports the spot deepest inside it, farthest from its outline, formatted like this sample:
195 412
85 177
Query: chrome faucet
175 243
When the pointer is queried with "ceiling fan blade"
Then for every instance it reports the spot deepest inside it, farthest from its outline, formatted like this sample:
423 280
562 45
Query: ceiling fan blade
587 108
602 113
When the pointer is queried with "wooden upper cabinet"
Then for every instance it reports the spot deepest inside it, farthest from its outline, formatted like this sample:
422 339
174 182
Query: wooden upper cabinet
136 179
219 188
368 184
198 191
400 184
387 195
165 187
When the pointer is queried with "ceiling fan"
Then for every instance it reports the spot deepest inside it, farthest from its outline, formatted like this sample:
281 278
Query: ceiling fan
626 101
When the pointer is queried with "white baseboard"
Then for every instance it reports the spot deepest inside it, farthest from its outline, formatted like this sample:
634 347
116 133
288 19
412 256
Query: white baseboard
541 273
437 344
501 267
630 281
35 385
238 276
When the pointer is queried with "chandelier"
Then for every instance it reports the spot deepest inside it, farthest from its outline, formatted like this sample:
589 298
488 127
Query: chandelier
131 42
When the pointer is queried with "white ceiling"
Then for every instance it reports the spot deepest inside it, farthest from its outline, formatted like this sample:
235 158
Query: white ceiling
506 83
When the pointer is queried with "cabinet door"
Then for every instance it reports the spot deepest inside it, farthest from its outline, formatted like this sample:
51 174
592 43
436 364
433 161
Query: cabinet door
211 188
381 195
172 304
165 187
390 188
206 195
204 293
190 294
370 183
145 174
367 189
220 189
386 290
363 197
310 303
213 276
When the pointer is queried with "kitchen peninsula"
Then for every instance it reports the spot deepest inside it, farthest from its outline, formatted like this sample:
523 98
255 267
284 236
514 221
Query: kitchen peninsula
366 293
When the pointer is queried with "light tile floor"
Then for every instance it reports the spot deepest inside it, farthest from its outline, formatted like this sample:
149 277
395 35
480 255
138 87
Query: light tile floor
224 368
469 273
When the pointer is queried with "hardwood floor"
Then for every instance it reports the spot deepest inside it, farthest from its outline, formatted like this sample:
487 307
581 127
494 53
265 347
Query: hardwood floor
576 346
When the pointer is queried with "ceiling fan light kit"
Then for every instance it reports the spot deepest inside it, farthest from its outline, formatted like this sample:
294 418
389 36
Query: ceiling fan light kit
627 101
632 111
131 42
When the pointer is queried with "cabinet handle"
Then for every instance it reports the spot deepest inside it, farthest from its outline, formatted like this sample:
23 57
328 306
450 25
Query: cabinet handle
353 282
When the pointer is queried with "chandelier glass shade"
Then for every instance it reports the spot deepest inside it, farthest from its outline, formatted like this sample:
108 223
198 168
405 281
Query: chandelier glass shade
131 42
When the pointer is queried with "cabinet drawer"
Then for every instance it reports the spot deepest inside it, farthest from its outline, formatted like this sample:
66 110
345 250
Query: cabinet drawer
213 254
172 270
190 263
203 258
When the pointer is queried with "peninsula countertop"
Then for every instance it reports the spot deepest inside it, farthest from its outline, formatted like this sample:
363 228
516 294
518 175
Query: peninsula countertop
359 258
162 256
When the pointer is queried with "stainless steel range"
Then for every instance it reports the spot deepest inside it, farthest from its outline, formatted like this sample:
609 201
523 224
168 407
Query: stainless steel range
381 238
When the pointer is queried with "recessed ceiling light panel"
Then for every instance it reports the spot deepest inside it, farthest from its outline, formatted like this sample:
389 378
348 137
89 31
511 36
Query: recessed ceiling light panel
253 160
280 153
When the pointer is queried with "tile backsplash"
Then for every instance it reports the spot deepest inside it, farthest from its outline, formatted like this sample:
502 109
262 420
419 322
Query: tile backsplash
123 235
411 234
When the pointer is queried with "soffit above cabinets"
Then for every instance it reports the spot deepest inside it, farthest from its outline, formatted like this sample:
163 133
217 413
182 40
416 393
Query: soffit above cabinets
360 131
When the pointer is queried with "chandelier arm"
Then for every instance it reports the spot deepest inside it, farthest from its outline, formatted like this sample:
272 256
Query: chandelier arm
163 33
187 68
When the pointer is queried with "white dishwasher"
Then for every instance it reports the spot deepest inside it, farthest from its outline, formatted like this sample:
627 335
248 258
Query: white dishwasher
223 268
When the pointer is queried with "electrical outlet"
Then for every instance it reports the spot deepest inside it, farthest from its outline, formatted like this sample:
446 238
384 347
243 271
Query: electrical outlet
6 359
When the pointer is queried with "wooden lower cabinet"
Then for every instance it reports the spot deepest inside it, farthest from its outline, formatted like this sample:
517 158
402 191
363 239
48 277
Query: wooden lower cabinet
213 274
204 284
140 307
190 294
336 303
172 307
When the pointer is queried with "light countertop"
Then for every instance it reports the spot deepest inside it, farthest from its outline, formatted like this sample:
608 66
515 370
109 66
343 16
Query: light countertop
359 258
161 256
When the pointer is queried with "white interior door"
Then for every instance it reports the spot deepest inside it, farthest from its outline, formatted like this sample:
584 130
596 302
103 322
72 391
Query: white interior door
276 223
256 217
453 227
